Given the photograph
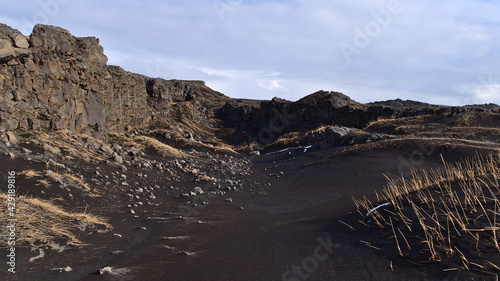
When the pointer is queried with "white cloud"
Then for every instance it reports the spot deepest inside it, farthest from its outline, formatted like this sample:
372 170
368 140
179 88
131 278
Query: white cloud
272 85
483 93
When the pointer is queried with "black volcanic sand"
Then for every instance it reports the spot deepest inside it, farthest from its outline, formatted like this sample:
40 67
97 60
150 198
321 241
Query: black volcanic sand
287 228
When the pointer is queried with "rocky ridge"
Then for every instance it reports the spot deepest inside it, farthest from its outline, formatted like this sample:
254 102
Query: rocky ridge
53 80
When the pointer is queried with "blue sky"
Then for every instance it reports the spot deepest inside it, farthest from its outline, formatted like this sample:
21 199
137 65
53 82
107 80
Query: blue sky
442 52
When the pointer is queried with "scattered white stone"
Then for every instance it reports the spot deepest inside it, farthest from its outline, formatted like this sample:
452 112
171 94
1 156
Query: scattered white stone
116 252
41 255
132 212
12 138
57 247
117 235
118 159
63 269
106 270
107 149
51 149
229 199
198 190
141 228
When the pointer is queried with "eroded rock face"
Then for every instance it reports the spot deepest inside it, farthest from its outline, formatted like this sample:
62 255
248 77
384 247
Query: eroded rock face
58 81
12 45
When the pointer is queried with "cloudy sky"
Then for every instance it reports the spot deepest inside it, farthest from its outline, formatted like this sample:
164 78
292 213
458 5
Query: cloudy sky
442 52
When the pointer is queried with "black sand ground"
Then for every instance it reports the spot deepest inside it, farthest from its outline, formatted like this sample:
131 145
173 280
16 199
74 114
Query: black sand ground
285 226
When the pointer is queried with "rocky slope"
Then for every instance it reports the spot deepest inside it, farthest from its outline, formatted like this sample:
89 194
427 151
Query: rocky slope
53 80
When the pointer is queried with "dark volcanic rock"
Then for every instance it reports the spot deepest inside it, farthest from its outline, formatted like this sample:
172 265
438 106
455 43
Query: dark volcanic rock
63 82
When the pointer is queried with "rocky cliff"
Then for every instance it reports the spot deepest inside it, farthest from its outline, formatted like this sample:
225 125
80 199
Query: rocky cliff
53 80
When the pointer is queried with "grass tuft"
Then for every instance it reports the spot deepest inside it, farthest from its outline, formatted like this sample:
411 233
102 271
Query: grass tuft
40 221
447 213
164 149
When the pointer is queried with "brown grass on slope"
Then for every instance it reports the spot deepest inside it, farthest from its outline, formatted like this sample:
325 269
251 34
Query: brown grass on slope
40 221
164 149
449 215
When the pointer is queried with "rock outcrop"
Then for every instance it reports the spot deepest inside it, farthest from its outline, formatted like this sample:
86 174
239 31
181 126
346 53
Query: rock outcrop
268 120
53 80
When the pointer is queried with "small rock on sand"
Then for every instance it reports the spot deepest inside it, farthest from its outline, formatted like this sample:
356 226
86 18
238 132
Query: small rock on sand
63 269
105 270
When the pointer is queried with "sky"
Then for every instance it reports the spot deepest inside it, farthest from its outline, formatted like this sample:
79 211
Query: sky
442 52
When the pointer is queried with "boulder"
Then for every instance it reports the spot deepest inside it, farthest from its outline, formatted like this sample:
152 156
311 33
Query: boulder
7 52
118 159
107 149
52 38
12 138
336 136
51 149
9 124
21 42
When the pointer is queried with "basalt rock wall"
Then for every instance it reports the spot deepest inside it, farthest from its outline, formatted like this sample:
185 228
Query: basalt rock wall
54 80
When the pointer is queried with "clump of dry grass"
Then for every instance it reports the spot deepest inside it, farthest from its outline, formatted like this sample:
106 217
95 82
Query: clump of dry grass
40 221
74 181
225 148
452 211
165 149
29 174
66 179
71 143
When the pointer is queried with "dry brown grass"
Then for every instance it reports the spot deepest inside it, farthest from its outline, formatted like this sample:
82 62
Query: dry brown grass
222 147
29 174
65 178
40 221
43 182
380 120
72 180
164 149
249 146
65 140
445 209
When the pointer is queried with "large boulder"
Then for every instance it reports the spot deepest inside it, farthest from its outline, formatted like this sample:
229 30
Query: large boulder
87 49
12 44
52 38
6 50
336 136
